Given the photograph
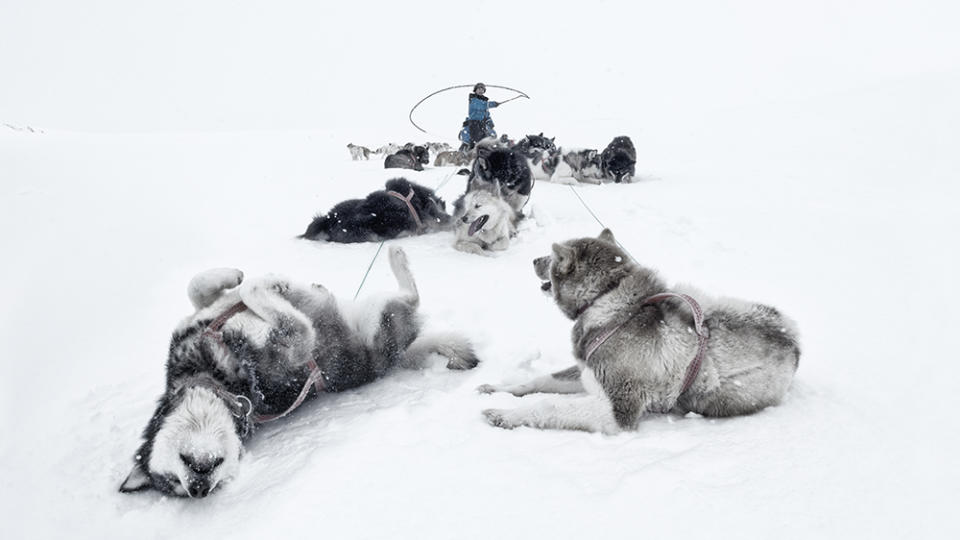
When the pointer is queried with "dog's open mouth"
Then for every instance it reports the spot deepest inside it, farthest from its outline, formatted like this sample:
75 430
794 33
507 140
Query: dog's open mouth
477 224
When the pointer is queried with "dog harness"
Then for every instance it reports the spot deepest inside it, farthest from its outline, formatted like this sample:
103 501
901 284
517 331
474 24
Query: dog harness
214 330
413 211
703 333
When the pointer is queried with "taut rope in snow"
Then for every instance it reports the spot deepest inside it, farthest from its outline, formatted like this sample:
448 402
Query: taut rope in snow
364 280
592 213
380 247
410 116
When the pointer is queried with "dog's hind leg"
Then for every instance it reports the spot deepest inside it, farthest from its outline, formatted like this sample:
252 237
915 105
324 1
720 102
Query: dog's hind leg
401 270
561 382
455 348
207 286
588 413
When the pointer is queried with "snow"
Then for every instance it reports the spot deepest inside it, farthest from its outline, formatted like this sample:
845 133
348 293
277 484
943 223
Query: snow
804 156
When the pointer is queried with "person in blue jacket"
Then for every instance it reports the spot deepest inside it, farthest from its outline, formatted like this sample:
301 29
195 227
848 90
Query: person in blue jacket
478 124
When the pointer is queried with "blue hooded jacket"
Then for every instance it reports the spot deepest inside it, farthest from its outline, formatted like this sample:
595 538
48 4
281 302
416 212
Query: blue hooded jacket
479 107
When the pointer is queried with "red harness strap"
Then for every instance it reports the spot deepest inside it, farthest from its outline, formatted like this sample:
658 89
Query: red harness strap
703 333
413 211
315 378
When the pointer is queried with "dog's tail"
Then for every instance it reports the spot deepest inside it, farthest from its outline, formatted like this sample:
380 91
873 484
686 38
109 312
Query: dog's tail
455 348
317 230
401 270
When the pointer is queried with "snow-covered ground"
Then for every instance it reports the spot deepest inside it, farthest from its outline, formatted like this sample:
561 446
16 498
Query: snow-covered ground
805 157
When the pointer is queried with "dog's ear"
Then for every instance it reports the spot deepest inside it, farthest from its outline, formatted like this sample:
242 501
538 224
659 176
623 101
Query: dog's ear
137 480
564 257
607 236
593 154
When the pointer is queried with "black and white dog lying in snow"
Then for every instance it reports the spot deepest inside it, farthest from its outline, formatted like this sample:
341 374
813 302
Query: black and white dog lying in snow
253 351
618 160
505 171
408 158
403 208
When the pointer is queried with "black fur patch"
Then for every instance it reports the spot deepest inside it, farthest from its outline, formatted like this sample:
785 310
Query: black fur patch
619 159
502 166
380 216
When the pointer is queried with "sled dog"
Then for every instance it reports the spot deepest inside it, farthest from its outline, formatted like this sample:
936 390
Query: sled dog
642 348
408 158
253 350
618 160
402 208
505 171
484 223
359 152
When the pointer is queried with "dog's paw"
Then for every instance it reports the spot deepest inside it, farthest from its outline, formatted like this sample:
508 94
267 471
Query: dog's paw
499 418
487 389
463 362
280 286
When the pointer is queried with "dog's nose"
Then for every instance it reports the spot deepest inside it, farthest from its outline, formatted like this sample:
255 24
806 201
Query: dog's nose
199 489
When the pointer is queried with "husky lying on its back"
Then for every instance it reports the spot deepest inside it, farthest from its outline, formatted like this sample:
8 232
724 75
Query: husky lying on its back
253 351
636 353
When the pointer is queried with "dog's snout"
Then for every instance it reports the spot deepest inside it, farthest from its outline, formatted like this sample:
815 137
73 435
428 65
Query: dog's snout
199 488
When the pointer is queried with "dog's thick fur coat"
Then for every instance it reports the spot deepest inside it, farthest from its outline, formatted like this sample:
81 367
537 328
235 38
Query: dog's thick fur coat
220 382
505 171
483 222
381 216
751 355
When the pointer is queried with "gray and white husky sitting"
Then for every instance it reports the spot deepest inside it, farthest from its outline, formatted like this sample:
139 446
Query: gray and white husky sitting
253 350
484 222
634 347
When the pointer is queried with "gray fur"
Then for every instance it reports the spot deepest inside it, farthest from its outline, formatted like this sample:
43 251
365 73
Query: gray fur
751 356
259 362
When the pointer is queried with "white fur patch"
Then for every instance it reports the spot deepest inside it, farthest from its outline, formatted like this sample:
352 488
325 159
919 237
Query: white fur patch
200 425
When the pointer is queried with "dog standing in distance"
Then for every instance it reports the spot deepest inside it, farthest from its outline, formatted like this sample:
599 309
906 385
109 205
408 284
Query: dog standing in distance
635 351
358 153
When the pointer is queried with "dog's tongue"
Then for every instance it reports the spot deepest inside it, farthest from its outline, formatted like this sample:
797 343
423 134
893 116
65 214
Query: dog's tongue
477 225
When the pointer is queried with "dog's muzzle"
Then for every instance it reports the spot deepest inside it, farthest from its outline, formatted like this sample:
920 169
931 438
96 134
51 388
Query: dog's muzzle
198 487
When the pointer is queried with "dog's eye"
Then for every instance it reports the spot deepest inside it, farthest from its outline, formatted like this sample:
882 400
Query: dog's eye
476 206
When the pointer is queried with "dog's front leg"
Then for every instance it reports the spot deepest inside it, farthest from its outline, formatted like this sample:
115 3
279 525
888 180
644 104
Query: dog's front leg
500 244
589 413
561 382
470 247
266 297
207 286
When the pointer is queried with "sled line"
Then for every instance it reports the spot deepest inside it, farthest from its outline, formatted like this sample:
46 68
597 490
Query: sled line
592 213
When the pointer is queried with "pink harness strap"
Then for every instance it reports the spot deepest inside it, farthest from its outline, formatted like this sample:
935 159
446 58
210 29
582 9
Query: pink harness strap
703 333
413 211
315 378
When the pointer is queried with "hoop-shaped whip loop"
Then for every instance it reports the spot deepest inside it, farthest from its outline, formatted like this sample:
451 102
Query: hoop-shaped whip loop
410 116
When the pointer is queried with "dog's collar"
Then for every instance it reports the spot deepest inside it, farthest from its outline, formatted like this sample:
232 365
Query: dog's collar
413 211
703 333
